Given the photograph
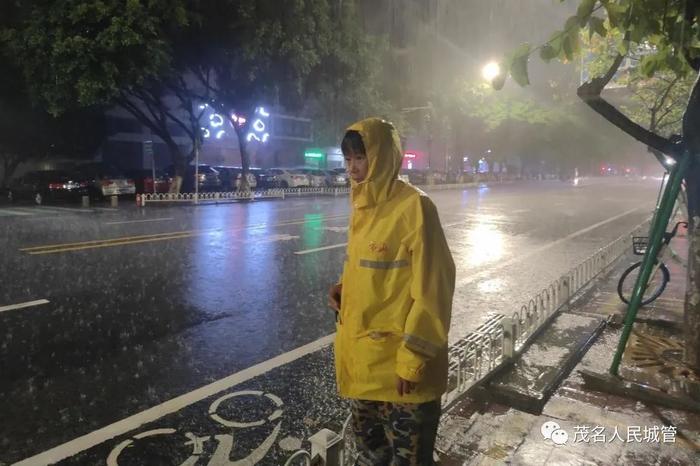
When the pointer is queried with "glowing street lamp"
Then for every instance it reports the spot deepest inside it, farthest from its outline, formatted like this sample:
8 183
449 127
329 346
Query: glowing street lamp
490 71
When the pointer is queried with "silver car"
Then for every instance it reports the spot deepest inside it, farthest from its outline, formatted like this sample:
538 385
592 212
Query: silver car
337 177
105 180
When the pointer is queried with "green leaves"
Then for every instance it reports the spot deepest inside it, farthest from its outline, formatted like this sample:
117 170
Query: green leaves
617 13
596 26
80 53
499 81
518 65
548 52
649 64
585 10
571 45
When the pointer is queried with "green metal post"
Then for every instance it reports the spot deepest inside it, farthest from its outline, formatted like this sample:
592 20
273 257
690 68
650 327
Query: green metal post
658 229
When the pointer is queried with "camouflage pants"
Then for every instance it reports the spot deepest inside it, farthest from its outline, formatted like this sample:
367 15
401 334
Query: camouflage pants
395 434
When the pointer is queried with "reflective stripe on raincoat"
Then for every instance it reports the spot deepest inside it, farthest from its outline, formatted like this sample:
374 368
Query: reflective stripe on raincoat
398 281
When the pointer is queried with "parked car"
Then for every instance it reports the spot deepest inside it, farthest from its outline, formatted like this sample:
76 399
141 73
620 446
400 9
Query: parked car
42 186
208 178
143 180
415 177
337 177
288 178
316 177
266 179
438 176
231 178
103 179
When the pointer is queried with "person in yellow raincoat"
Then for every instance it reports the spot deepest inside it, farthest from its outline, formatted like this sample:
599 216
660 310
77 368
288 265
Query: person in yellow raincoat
393 303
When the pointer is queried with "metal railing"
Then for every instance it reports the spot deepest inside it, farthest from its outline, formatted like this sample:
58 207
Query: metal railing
494 343
233 196
214 197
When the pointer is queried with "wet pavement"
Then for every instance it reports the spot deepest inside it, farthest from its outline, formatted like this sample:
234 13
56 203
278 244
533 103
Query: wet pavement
146 305
580 425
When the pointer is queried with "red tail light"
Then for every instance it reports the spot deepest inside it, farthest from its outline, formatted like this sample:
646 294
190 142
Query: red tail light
107 182
55 185
84 184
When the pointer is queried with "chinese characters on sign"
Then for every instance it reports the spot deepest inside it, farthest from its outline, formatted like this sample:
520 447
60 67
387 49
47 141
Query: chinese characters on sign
600 434
632 434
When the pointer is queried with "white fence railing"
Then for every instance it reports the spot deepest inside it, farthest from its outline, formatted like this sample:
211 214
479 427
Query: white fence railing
215 197
143 199
485 350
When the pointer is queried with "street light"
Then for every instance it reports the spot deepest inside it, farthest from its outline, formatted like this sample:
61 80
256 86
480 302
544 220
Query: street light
490 71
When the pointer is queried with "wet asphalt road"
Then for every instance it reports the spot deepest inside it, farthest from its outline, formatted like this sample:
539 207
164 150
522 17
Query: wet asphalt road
149 304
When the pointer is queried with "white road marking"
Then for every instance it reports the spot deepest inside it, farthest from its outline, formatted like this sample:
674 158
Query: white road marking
87 441
140 221
272 239
334 229
12 212
309 251
476 276
69 209
54 210
13 307
38 212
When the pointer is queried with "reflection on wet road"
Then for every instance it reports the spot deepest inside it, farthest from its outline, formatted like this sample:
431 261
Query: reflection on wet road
143 311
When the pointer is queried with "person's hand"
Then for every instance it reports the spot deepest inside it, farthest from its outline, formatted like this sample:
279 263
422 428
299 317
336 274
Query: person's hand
404 387
334 296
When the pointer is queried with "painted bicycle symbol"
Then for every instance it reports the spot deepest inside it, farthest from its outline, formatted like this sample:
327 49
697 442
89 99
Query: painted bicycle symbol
196 446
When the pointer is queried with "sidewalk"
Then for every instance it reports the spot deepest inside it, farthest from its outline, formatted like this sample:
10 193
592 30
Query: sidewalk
588 427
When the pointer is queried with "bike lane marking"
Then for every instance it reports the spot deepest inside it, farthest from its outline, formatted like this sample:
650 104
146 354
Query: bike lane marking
13 307
87 441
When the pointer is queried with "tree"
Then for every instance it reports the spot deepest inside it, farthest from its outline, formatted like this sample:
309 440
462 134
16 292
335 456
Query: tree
656 102
540 132
249 53
668 32
349 81
81 54
29 133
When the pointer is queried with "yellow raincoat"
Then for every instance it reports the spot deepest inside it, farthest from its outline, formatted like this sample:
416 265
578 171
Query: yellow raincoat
398 281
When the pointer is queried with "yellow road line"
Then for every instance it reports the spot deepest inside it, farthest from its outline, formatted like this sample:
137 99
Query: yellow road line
101 241
125 240
108 245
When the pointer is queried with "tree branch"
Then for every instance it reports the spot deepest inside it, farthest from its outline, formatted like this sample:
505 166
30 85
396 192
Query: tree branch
666 112
666 92
667 124
146 99
124 102
590 93
689 16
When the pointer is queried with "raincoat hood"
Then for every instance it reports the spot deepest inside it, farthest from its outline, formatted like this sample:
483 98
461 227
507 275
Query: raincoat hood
384 157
